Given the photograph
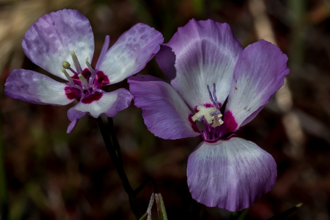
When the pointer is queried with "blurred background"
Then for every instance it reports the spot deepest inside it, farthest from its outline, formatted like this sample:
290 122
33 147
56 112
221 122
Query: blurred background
53 175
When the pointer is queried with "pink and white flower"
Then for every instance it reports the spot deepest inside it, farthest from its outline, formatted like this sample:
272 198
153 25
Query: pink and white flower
62 43
216 88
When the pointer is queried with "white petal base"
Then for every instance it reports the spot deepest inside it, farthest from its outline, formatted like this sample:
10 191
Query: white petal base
109 104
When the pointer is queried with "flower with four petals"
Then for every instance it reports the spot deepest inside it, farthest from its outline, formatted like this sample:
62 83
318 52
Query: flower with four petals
62 43
216 87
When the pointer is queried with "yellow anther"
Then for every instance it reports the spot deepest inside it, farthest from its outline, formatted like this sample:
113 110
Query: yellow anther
66 65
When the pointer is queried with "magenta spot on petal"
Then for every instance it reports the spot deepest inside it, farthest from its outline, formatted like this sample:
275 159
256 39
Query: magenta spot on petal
208 105
72 93
85 73
88 91
195 109
92 97
229 122
101 79
193 124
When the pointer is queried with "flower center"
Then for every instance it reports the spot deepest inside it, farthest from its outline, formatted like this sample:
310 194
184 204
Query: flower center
210 114
84 84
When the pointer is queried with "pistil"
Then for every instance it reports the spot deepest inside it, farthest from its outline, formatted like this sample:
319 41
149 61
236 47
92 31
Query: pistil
210 114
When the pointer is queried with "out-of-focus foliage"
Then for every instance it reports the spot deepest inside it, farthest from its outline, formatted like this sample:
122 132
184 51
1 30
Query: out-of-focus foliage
53 175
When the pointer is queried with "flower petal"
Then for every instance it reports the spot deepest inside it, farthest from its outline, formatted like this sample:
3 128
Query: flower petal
230 174
131 52
203 52
50 40
71 126
259 73
34 87
108 103
164 112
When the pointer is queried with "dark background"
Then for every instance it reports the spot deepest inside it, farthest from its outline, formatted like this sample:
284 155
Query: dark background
53 175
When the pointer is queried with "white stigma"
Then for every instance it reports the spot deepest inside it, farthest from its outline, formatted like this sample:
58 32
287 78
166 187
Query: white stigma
217 121
209 115
204 112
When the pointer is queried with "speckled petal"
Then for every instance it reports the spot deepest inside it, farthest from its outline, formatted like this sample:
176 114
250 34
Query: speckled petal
199 54
230 174
109 104
132 51
30 86
259 73
163 110
50 40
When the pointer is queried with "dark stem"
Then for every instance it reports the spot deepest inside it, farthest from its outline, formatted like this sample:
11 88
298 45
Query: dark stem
144 183
3 187
114 152
114 140
195 210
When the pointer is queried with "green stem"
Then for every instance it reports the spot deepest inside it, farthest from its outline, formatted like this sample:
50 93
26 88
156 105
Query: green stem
3 188
114 152
298 32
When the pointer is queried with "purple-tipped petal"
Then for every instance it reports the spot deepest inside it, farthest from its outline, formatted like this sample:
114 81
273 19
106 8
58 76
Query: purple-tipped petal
164 112
132 51
199 54
108 103
259 73
230 174
30 86
50 40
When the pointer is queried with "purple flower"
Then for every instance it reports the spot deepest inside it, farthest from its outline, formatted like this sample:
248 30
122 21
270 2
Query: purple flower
62 43
206 66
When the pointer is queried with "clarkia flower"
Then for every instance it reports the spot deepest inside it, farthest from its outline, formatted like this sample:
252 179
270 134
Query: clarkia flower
62 43
216 88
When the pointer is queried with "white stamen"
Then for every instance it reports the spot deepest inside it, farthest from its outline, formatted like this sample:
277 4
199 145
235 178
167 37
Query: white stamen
217 121
68 76
204 112
89 66
76 62
91 79
83 81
